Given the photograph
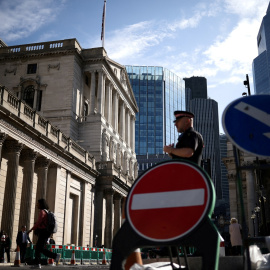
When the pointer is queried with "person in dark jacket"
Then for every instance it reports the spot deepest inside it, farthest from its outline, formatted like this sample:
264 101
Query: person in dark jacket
2 246
40 229
22 240
190 143
7 247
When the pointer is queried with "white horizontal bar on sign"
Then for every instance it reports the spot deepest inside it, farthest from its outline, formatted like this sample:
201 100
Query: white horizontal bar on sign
180 198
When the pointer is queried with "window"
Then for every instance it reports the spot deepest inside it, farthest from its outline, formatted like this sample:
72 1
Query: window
31 68
85 109
28 95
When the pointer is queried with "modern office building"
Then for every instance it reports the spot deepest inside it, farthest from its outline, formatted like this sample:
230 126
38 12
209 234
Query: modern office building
224 172
198 86
261 68
158 92
206 122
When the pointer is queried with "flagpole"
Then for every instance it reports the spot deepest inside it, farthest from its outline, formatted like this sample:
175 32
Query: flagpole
103 24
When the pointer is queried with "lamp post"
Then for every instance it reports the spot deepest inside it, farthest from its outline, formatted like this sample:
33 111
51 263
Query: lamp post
253 216
257 210
246 83
96 237
262 201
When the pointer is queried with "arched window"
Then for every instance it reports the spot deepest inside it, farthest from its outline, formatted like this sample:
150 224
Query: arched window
28 95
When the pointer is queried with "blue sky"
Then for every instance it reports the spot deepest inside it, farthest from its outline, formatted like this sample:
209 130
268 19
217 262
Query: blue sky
211 38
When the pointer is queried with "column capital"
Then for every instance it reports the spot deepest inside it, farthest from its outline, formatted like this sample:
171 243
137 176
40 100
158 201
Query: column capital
42 162
28 154
110 84
3 136
117 196
13 146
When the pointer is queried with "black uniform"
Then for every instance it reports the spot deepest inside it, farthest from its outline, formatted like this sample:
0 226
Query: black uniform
191 139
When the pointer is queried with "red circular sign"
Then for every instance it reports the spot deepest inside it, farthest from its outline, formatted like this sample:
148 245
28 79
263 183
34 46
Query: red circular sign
168 201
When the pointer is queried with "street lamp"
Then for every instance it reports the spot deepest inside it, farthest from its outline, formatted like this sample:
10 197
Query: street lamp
257 210
262 201
96 240
246 84
253 216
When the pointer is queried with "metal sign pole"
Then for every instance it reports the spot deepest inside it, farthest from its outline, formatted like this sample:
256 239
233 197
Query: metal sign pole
240 190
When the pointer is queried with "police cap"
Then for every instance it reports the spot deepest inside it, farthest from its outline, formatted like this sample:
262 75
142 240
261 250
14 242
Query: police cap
180 114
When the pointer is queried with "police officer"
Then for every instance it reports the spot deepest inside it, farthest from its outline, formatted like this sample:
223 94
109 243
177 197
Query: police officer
190 142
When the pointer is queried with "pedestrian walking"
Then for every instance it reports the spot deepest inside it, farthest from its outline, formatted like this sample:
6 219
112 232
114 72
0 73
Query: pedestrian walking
22 240
40 229
7 247
235 236
2 246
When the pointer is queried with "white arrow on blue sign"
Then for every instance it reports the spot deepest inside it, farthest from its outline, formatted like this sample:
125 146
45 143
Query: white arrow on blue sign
246 122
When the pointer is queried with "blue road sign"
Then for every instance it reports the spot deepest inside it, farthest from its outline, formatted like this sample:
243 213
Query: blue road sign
246 122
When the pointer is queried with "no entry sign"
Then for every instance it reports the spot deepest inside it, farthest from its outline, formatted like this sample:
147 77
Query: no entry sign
169 201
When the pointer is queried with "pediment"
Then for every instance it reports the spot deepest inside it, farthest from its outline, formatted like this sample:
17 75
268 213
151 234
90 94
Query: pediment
121 76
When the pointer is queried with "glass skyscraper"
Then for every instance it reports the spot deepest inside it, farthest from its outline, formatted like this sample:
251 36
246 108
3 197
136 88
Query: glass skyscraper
206 122
261 68
158 92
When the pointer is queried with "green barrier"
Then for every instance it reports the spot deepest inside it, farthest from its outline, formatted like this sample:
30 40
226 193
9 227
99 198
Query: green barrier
94 255
86 255
78 254
67 254
30 253
100 255
83 255
108 254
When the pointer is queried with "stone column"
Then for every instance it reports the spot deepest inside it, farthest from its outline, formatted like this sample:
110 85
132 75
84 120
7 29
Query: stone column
42 164
83 215
132 133
128 127
117 212
109 103
35 100
250 181
3 136
122 121
100 97
115 111
109 217
66 237
98 230
13 149
28 157
93 92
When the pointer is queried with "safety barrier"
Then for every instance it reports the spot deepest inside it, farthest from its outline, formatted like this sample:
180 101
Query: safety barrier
86 255
108 254
94 256
83 255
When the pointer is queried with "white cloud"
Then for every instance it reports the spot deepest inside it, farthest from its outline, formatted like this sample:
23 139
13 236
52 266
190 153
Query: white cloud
134 39
19 18
237 50
246 8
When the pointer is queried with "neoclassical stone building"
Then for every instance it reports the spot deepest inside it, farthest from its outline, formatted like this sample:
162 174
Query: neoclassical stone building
255 177
67 134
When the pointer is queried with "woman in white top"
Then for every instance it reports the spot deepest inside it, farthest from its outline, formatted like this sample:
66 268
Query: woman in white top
235 236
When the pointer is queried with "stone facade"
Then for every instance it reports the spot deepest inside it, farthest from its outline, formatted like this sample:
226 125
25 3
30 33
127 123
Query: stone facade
254 175
68 135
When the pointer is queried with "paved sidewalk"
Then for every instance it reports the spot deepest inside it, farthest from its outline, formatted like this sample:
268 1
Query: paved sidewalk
225 263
